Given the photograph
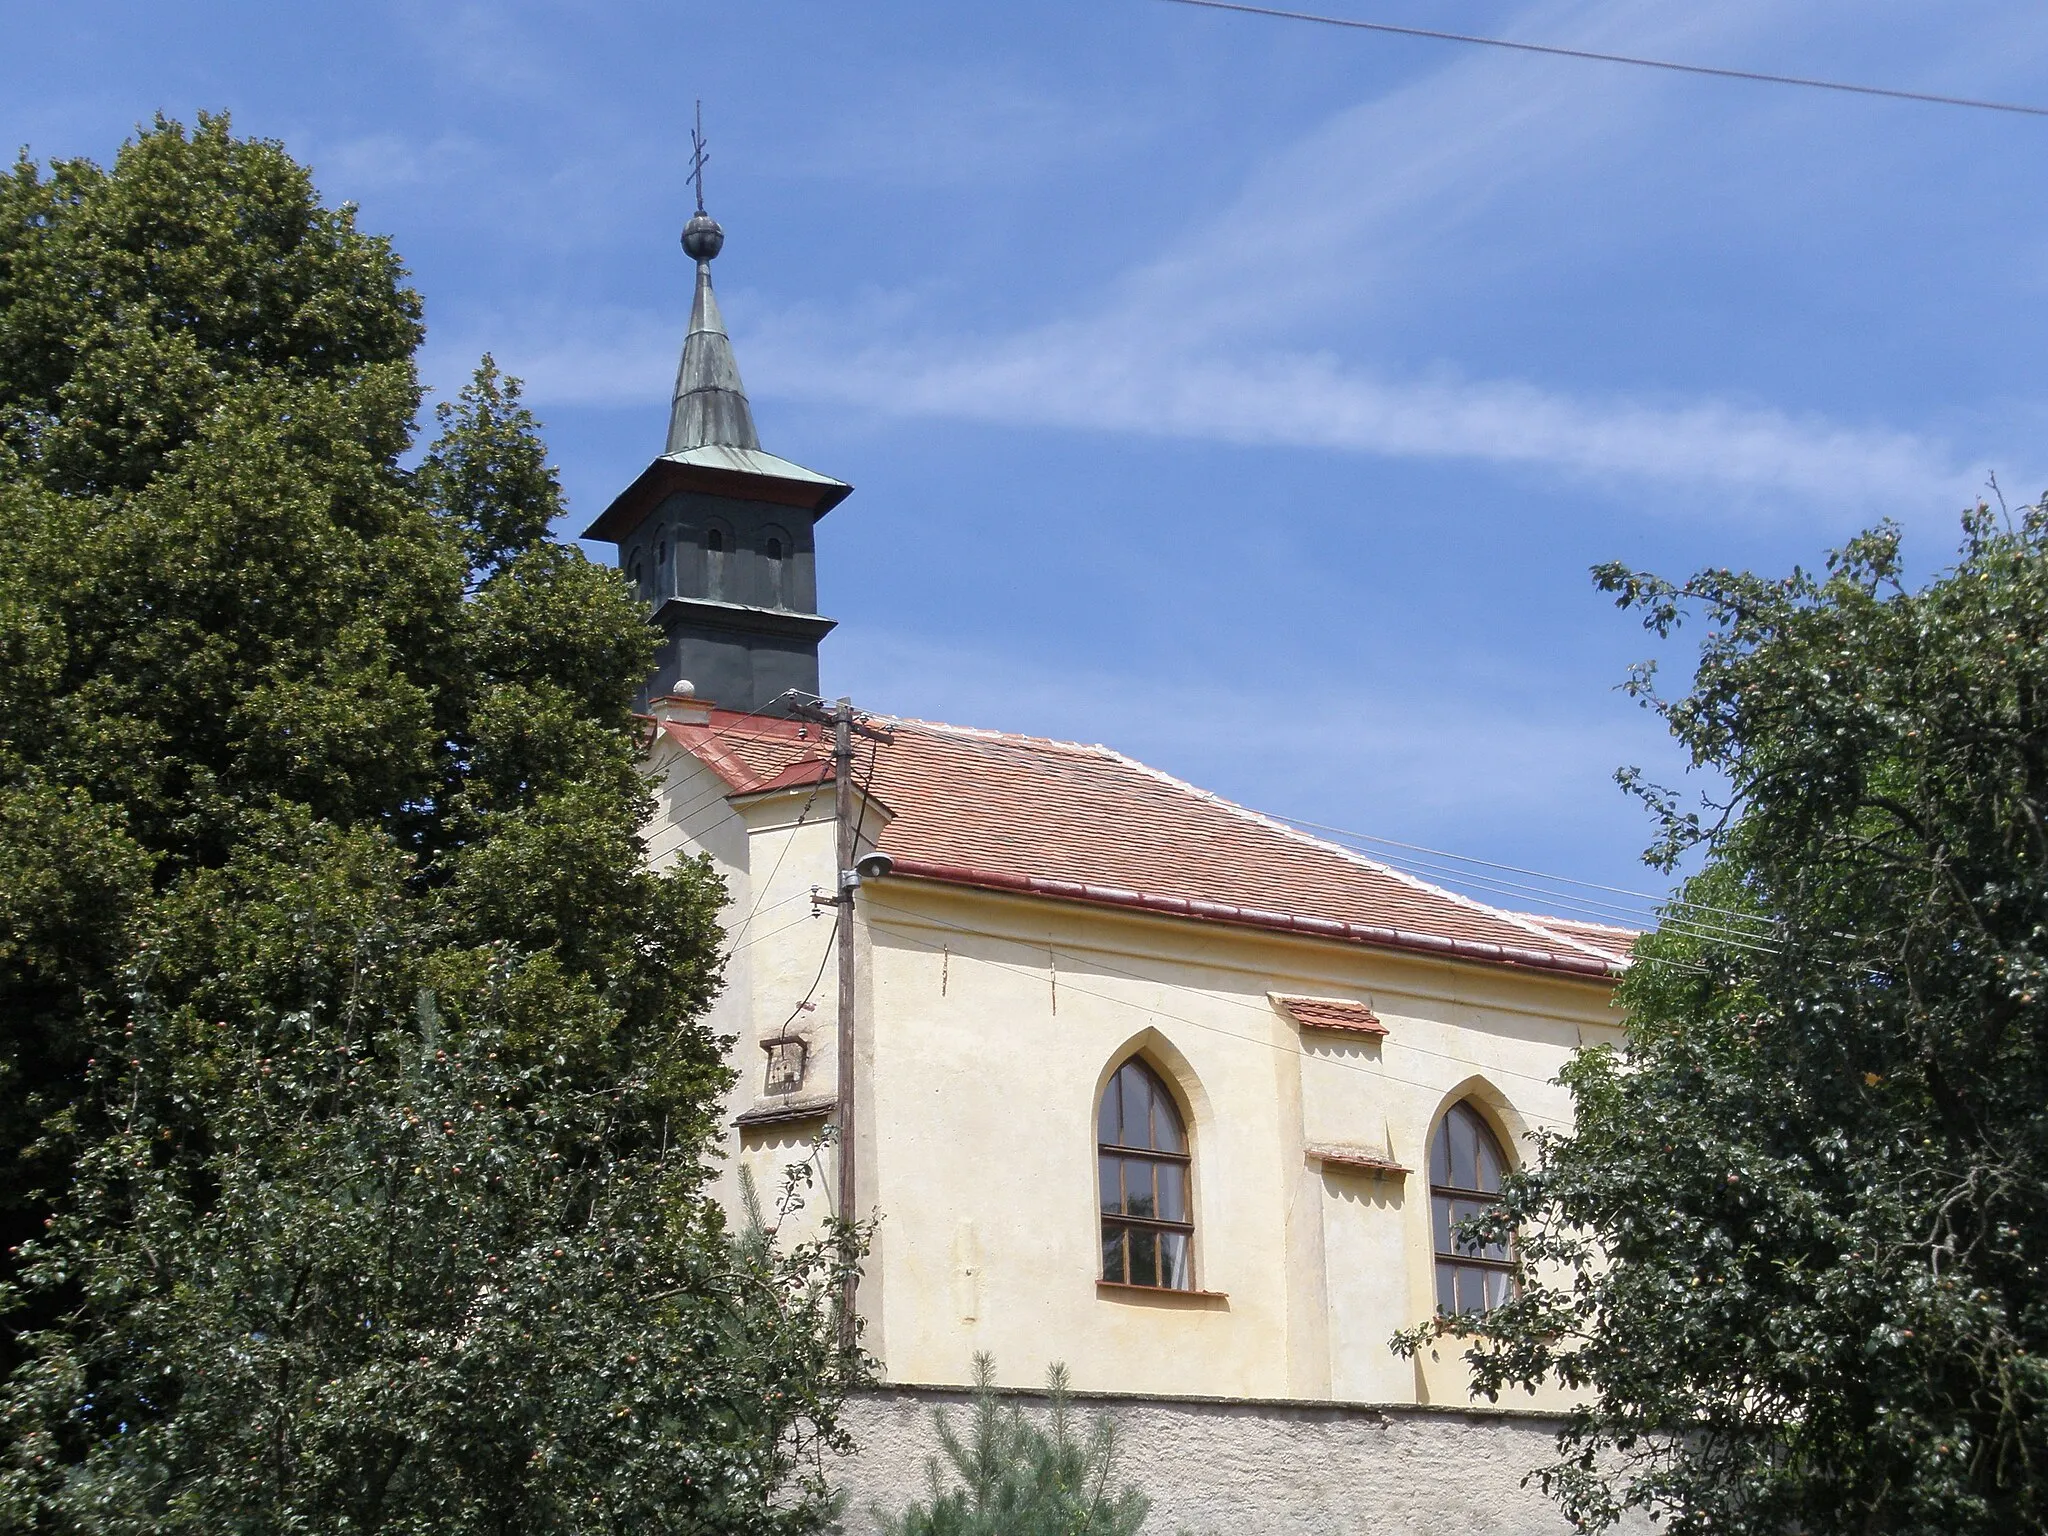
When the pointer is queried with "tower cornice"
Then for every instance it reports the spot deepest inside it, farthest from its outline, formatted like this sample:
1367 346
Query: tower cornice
744 474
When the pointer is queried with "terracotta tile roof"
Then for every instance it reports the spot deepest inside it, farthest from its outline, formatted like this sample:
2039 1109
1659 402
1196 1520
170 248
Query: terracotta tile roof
1084 823
1330 1013
1605 937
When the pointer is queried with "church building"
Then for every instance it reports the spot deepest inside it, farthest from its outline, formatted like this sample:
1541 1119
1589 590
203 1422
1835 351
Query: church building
1142 1081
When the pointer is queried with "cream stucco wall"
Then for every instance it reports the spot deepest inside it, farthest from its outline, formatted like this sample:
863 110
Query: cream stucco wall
988 1026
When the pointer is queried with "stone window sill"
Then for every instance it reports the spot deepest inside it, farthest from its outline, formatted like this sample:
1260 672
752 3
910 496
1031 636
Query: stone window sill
1160 1295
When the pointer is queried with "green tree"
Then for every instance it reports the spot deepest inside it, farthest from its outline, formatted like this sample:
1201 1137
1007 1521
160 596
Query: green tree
1018 1477
356 1100
1795 1251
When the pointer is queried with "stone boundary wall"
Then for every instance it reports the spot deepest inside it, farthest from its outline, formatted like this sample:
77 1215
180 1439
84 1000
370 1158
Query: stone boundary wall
1233 1467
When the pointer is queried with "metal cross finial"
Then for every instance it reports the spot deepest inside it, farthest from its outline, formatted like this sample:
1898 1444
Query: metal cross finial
698 157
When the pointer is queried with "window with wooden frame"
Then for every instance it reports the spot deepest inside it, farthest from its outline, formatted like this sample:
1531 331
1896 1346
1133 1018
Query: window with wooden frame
1465 1169
1148 1229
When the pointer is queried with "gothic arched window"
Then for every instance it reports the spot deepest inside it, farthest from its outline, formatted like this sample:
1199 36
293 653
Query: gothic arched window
1465 1169
1148 1228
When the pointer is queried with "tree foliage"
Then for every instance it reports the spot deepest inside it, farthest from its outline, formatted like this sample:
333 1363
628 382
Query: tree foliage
1795 1251
1015 1476
356 1099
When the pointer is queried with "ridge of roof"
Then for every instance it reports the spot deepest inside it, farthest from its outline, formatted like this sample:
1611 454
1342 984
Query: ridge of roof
1005 738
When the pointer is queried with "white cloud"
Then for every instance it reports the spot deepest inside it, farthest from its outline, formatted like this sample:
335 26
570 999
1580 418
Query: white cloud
1067 377
1106 379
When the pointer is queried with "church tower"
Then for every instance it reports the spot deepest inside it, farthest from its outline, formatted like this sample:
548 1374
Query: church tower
717 535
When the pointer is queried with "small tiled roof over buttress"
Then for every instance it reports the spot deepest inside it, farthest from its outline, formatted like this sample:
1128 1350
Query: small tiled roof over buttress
1065 821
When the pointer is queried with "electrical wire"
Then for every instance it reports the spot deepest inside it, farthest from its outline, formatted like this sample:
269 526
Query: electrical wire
1708 931
1757 76
1516 869
838 912
769 884
733 939
831 947
762 938
718 789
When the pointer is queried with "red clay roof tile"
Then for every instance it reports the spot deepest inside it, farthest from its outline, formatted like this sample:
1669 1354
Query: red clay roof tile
1330 1013
1085 823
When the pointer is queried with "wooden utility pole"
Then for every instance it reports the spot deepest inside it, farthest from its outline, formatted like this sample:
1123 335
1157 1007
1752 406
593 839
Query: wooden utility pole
847 881
846 723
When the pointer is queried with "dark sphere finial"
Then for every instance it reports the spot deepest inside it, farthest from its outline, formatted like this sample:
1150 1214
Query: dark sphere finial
702 238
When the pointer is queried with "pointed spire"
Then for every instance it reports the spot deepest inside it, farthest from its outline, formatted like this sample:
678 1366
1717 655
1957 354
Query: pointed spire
710 401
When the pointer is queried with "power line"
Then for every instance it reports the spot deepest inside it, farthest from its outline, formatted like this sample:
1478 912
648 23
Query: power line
1516 869
1621 58
769 884
1717 925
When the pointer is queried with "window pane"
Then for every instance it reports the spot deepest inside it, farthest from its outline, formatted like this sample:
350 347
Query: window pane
1144 1247
1105 1119
1440 1221
1138 1199
1446 1286
1464 1148
1137 1106
1477 1283
1496 1287
1172 1185
1112 1252
1173 1260
1166 1131
1458 1211
1490 1162
1112 1183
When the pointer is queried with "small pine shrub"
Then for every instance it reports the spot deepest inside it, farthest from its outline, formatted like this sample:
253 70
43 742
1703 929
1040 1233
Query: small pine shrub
1016 1476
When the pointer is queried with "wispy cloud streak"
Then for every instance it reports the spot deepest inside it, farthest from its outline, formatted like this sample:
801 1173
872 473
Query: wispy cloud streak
1064 378
1389 196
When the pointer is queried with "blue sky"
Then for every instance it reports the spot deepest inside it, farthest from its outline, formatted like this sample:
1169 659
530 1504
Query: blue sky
1249 396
